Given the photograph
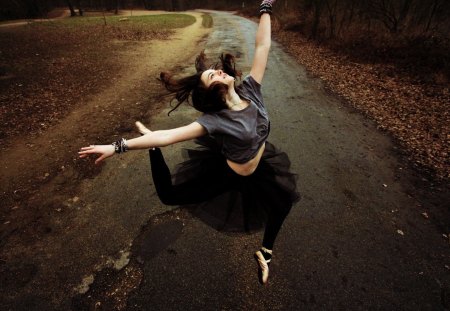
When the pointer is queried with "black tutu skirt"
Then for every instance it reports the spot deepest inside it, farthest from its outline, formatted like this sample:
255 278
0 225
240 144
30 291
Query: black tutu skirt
237 203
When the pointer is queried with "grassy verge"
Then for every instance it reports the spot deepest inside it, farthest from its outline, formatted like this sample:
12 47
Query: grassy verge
207 21
46 68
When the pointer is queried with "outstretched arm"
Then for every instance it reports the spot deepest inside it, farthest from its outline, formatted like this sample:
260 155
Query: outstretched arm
262 47
164 138
148 140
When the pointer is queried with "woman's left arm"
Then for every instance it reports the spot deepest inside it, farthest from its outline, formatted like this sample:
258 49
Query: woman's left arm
149 140
262 45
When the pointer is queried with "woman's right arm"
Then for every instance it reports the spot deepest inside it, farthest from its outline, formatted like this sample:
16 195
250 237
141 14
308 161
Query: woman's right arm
150 140
262 41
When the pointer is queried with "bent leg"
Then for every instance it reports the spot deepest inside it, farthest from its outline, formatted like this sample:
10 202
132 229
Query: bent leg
190 192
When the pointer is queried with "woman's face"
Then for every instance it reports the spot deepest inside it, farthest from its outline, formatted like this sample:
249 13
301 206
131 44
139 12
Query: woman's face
212 75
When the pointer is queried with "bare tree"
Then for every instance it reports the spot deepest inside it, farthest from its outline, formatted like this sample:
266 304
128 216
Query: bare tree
116 7
390 12
317 10
332 7
72 10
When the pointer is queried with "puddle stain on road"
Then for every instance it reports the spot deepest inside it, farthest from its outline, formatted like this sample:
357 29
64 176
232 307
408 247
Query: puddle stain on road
110 287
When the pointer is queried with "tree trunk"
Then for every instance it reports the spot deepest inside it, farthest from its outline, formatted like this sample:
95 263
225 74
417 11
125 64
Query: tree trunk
317 7
78 5
116 7
72 11
32 8
432 14
331 7
404 11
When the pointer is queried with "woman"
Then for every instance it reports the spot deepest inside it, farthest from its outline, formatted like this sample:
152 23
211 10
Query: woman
233 155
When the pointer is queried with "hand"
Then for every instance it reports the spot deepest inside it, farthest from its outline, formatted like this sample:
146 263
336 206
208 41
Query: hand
105 151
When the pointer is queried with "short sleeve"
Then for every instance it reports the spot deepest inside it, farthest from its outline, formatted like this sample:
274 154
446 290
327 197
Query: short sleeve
252 89
209 122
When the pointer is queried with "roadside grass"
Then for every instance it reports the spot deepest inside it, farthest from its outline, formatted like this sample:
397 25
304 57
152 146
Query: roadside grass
46 68
120 27
207 21
154 22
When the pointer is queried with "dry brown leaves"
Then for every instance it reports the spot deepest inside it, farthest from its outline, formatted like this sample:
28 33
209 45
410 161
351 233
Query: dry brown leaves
46 70
416 114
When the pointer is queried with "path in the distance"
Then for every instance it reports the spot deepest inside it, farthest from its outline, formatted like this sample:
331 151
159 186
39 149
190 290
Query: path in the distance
357 239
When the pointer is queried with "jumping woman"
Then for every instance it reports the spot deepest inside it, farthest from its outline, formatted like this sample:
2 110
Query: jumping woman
233 156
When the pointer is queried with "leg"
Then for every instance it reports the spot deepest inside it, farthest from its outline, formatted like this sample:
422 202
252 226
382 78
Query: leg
195 191
274 223
273 226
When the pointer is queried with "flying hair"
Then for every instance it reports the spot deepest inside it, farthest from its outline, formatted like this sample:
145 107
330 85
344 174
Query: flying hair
191 87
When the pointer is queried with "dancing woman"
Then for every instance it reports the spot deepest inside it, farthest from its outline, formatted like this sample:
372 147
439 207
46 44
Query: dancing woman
233 154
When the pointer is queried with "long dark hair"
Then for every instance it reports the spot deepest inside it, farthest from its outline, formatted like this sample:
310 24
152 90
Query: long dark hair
211 99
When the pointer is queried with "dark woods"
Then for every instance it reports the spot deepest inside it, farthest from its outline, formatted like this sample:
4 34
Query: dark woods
372 28
40 8
316 18
322 19
414 34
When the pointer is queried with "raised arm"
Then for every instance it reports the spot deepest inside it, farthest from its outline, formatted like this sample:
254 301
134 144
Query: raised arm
262 42
149 140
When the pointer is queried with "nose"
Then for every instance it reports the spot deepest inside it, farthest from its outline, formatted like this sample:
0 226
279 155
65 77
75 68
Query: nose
220 72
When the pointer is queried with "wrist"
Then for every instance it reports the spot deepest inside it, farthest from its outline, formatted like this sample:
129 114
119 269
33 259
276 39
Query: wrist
266 7
120 146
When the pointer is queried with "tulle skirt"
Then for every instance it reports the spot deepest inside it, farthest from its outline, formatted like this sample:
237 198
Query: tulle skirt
244 203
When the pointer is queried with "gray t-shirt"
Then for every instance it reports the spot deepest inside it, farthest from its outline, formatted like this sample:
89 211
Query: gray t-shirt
240 133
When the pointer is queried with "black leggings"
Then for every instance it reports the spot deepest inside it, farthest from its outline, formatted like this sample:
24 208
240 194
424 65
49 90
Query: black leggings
198 191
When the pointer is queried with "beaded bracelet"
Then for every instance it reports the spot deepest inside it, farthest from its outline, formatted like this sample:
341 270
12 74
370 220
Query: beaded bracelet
266 7
120 146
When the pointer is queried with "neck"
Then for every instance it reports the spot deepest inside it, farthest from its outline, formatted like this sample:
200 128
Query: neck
233 99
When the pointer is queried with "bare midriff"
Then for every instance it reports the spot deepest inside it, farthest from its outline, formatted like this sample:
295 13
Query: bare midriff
247 168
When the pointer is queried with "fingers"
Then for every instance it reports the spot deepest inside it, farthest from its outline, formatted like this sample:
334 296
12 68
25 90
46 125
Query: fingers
104 151
87 150
100 159
85 154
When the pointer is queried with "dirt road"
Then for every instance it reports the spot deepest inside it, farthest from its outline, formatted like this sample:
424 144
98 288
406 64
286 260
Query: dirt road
357 240
46 221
